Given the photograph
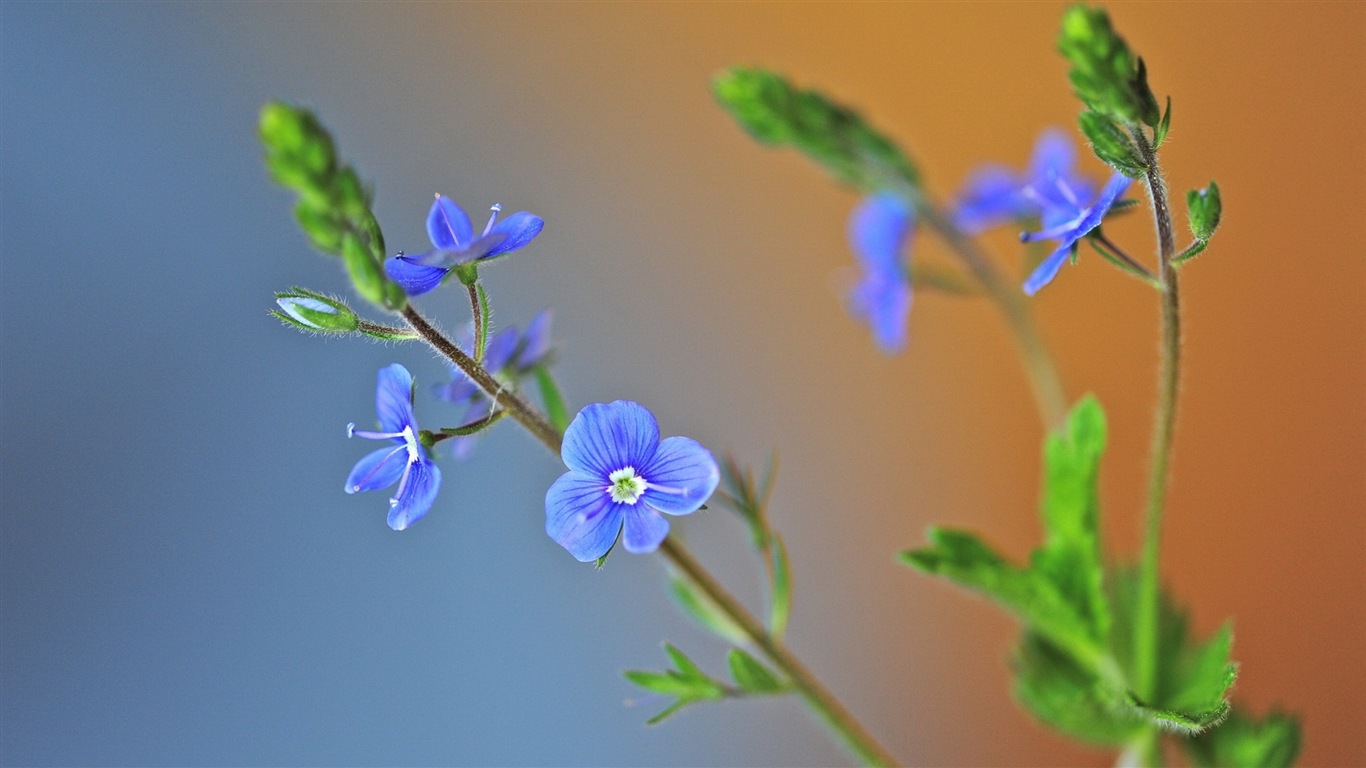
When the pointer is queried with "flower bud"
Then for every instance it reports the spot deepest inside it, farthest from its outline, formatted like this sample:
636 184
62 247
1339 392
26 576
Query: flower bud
314 312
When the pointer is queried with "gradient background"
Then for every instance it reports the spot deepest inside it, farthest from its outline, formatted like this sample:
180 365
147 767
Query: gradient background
185 583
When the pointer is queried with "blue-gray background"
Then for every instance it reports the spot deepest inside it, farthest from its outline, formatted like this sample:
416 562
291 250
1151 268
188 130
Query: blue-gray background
183 581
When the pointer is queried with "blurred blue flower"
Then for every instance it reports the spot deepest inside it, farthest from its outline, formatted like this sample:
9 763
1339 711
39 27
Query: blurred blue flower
997 195
621 475
510 356
454 243
880 229
407 463
1068 221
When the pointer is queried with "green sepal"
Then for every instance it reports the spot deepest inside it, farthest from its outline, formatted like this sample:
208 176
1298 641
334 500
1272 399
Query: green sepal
552 398
1105 75
776 112
1196 248
780 607
1203 211
751 675
1241 741
1112 145
1066 697
702 610
1160 133
315 312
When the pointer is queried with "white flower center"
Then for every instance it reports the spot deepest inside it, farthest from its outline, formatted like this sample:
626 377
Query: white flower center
627 486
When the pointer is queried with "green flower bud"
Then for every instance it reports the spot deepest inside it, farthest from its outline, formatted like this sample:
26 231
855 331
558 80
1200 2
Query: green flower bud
315 312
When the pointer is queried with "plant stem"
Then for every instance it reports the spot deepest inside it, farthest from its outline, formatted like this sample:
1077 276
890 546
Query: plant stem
477 311
1038 363
1146 626
817 696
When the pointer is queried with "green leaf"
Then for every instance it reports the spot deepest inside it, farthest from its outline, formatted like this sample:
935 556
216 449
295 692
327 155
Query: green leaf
481 343
669 711
667 683
1243 742
1111 144
778 113
1105 74
751 675
1203 210
684 664
554 401
1063 695
1196 248
1160 134
704 611
781 583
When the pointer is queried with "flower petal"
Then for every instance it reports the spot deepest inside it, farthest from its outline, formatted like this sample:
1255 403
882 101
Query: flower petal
535 342
884 305
878 230
606 437
501 346
990 197
457 390
1047 269
645 529
581 517
517 230
1054 156
415 279
379 469
416 492
1112 191
394 399
448 225
680 478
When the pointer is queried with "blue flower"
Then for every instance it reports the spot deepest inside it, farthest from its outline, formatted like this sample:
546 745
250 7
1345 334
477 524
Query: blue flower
879 230
510 356
454 243
997 195
406 463
622 475
1066 220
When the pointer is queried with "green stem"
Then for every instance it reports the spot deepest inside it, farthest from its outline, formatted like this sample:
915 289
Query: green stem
817 696
1146 626
1039 366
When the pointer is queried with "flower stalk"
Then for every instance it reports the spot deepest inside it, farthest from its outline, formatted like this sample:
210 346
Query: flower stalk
822 702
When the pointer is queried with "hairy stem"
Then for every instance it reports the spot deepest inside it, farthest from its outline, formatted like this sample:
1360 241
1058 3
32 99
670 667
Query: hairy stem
817 696
476 309
1169 374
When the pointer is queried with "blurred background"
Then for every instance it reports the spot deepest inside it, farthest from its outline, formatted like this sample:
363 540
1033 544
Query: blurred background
185 583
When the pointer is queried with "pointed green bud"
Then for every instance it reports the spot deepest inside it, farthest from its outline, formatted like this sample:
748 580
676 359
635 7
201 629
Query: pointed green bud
1105 74
296 138
1112 145
1203 209
315 312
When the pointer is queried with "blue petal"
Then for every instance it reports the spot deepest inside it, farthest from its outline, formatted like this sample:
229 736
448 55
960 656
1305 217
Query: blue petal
457 390
681 477
645 529
1115 187
462 448
606 437
878 229
394 399
885 306
448 225
415 494
536 341
518 229
415 279
991 196
1054 156
485 247
376 470
501 346
581 517
1047 269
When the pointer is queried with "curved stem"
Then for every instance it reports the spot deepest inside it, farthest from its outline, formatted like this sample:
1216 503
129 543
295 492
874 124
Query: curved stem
1146 627
1039 366
817 696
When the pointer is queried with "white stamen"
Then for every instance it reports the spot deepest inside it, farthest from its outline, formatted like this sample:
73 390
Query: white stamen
493 218
627 487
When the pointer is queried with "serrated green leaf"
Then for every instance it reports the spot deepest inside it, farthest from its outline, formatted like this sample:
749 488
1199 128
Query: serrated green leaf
554 401
1187 723
1203 674
776 112
704 611
1242 742
1112 145
1203 211
1104 73
781 588
751 675
1063 695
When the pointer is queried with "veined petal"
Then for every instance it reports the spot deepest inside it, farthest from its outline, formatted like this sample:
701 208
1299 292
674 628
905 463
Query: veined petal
448 225
581 517
885 306
415 279
1047 269
645 529
379 469
680 478
416 492
1054 156
878 230
536 341
1115 187
485 247
606 437
394 399
517 230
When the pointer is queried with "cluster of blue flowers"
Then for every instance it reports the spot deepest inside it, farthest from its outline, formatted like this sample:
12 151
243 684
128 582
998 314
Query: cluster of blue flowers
1049 190
622 477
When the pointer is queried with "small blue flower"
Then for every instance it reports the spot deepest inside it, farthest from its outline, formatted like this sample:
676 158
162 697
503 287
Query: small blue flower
997 195
454 243
1068 221
407 463
880 229
621 475
510 356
